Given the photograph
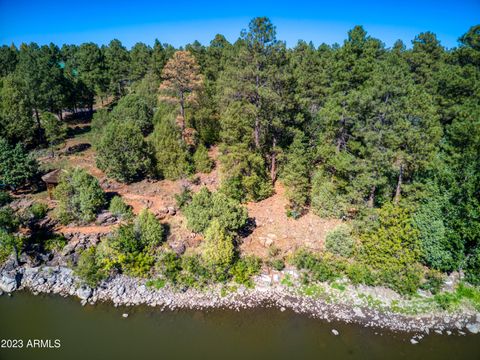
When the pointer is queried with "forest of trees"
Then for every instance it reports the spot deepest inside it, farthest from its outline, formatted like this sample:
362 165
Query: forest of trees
385 138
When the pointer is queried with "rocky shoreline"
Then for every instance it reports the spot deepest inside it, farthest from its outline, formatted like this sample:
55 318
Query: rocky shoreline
268 291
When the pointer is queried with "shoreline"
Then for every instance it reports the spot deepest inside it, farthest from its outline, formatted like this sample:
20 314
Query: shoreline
127 291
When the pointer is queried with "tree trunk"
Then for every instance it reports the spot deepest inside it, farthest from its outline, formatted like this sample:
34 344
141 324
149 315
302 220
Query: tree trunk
39 126
273 168
399 186
182 110
371 198
256 132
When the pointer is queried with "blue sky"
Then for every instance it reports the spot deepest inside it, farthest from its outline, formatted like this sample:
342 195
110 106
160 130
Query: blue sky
182 21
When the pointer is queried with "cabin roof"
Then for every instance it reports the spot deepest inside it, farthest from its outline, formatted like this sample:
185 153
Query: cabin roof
53 177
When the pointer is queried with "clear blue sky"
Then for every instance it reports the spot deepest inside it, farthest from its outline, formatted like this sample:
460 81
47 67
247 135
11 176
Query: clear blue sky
182 21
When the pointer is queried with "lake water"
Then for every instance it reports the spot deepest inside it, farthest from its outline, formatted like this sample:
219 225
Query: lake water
100 332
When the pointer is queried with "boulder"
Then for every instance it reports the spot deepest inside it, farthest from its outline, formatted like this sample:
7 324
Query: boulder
178 248
474 328
84 292
335 332
106 218
8 283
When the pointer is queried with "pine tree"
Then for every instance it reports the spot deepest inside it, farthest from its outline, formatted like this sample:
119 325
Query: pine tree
181 82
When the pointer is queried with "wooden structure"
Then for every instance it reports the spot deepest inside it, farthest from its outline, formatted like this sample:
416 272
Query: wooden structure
51 180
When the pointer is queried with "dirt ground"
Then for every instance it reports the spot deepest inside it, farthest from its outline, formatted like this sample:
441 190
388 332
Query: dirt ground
273 227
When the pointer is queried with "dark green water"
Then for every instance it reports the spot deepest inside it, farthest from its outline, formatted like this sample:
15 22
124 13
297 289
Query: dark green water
100 332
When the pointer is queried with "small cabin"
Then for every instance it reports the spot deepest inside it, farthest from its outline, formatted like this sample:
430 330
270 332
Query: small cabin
51 180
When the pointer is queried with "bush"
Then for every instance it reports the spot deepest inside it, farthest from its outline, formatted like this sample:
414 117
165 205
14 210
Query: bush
202 161
118 208
136 264
100 119
79 197
8 220
133 108
55 130
217 247
434 244
194 273
172 157
433 281
206 206
134 244
10 243
17 167
472 270
244 268
123 153
169 265
55 243
359 273
148 230
183 198
295 175
5 198
322 267
277 264
244 175
38 210
88 268
391 247
326 197
339 241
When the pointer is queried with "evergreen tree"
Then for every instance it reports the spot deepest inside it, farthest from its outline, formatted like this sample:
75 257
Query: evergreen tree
122 152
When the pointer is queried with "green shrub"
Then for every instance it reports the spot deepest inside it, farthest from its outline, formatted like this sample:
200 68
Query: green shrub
122 152
136 264
38 210
326 197
149 231
9 222
55 243
359 273
184 197
244 268
244 175
295 175
391 247
5 198
79 197
217 247
118 208
143 235
171 154
206 206
339 241
194 273
100 119
433 281
202 161
135 109
169 265
277 264
472 270
434 244
321 267
10 243
17 166
89 269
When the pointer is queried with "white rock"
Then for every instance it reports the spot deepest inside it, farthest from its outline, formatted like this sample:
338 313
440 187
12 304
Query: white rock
473 328
125 315
8 283
335 332
413 341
